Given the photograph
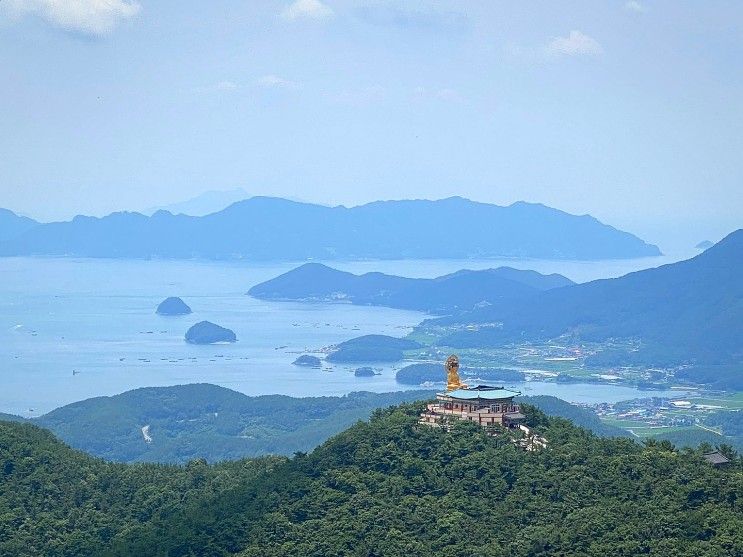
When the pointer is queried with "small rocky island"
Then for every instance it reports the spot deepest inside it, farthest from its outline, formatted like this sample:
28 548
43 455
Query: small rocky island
173 306
364 372
306 360
372 348
206 332
416 374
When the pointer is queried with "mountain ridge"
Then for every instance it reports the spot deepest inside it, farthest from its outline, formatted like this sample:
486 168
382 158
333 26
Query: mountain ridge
203 204
267 228
202 420
692 310
12 224
456 291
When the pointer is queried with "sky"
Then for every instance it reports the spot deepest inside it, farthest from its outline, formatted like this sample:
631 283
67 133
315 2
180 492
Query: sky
631 111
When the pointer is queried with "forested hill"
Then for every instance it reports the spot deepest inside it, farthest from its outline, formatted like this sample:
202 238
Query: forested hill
56 501
687 311
11 417
458 291
265 228
386 487
185 422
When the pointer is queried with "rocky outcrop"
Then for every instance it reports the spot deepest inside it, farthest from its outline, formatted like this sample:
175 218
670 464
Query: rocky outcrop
206 332
306 360
173 306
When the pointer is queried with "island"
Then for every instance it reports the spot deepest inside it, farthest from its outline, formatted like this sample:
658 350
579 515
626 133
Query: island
12 225
456 292
206 332
500 375
305 360
364 372
372 348
416 374
173 306
428 373
272 229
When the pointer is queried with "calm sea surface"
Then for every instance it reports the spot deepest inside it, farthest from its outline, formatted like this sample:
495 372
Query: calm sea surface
72 329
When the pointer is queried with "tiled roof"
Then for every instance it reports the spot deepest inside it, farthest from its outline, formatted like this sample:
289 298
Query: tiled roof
493 393
716 457
515 416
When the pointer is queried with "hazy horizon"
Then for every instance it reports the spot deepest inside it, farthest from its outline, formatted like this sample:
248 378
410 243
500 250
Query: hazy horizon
629 111
669 239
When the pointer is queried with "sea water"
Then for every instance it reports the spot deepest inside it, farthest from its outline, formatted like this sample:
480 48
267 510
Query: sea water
72 329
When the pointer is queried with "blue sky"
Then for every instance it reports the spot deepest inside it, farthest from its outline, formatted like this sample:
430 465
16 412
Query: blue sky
630 111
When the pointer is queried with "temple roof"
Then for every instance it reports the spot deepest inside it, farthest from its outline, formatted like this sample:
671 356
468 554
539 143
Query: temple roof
716 458
482 392
515 416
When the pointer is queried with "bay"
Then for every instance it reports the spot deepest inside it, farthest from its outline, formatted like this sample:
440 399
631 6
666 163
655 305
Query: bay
72 329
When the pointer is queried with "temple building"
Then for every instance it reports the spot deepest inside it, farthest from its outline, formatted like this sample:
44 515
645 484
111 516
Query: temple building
484 405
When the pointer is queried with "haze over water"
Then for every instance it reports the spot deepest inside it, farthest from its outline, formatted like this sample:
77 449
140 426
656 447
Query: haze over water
77 328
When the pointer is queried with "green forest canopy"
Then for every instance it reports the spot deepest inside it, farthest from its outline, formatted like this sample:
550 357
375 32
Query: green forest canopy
386 487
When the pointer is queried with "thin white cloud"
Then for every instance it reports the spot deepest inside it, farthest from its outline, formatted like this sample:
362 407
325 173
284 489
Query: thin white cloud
267 82
406 17
449 95
274 81
365 96
307 9
90 17
226 86
444 94
575 44
635 6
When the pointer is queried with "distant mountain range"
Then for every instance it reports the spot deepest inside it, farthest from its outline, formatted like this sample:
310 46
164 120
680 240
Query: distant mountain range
12 225
687 311
265 228
705 244
185 422
455 292
204 204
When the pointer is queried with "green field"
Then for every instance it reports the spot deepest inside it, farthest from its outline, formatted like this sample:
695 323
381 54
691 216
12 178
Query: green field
652 431
624 424
732 401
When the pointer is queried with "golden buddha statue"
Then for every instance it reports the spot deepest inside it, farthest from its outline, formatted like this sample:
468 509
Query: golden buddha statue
452 374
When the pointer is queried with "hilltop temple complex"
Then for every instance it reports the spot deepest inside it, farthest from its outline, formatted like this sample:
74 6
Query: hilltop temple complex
484 405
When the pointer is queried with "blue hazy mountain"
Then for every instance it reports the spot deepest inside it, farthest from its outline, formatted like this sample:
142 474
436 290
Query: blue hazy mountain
12 225
705 244
204 204
686 311
455 292
264 228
